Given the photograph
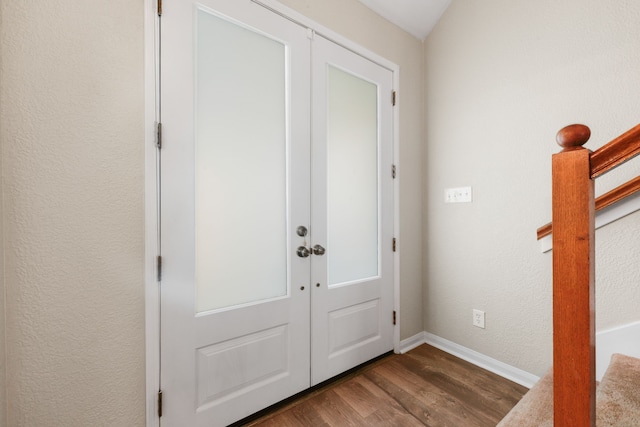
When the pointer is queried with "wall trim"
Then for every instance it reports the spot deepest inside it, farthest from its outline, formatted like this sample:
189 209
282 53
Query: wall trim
623 339
412 342
492 365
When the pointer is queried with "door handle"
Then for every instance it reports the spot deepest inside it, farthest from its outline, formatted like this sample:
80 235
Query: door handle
318 250
303 252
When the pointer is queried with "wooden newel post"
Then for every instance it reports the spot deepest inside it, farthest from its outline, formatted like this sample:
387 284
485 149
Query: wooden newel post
573 281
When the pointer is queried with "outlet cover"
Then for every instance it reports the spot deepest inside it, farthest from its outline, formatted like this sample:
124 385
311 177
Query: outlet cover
478 318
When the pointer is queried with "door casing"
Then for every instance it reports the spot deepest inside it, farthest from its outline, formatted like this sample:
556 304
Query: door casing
152 117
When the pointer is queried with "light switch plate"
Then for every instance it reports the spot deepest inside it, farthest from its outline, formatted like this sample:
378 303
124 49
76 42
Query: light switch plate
458 195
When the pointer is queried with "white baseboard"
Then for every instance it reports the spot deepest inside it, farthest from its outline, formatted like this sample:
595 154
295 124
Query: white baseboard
492 365
623 339
412 342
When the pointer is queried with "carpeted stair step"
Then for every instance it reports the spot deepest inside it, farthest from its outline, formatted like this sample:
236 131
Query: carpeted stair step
618 395
617 398
535 409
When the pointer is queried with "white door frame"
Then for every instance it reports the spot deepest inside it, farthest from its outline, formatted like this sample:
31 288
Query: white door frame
152 300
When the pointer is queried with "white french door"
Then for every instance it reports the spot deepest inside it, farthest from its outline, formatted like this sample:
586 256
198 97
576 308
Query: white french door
276 243
235 113
352 210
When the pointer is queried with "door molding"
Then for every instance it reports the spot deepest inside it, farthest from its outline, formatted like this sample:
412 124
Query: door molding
152 300
151 286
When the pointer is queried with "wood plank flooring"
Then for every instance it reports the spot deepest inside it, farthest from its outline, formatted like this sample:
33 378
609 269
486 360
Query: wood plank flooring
424 387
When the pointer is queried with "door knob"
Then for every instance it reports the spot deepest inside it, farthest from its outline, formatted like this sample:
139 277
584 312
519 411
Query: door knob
303 252
318 250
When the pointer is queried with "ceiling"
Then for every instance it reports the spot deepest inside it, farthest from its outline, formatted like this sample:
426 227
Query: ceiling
417 17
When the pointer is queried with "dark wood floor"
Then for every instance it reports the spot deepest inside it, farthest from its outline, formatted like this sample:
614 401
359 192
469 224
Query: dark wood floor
424 387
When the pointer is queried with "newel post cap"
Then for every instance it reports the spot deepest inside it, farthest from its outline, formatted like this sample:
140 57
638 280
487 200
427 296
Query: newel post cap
573 137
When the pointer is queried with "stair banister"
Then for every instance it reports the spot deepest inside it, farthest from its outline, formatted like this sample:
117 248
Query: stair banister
573 232
604 201
608 157
573 281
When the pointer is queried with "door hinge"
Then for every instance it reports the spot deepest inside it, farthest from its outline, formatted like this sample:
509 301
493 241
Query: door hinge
393 171
159 135
394 317
159 403
159 267
394 244
159 7
393 98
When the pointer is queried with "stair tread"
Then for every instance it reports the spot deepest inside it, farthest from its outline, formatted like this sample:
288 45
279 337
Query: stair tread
535 409
617 398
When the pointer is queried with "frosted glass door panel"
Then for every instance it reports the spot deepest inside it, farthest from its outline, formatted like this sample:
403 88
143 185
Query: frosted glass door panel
241 165
352 178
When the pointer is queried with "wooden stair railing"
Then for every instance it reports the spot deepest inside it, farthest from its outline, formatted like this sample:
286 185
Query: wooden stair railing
614 196
573 222
609 156
573 219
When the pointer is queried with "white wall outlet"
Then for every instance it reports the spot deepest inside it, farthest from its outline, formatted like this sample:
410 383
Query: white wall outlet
458 195
478 318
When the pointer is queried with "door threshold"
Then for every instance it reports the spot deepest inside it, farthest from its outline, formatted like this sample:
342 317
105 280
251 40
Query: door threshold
312 391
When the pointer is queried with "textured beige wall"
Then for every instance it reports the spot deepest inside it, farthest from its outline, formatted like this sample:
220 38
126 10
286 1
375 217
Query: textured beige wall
352 20
72 138
3 388
501 78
